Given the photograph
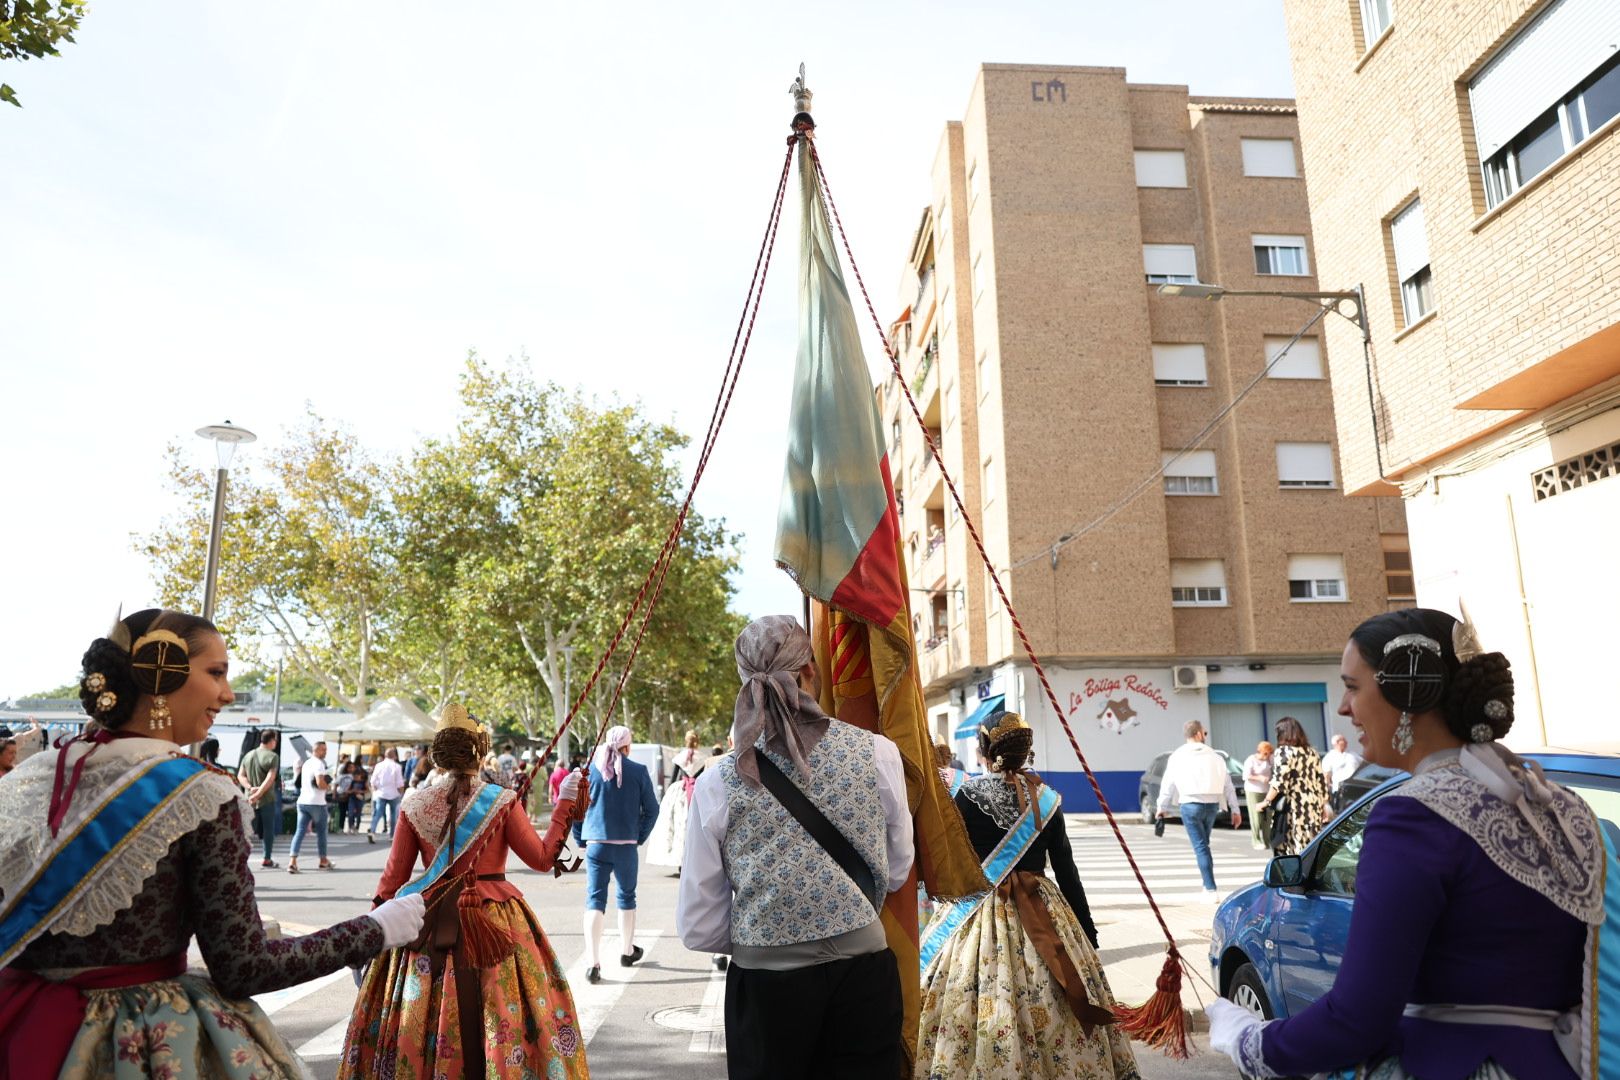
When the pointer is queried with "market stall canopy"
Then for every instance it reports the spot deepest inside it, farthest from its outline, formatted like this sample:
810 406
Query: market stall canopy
393 720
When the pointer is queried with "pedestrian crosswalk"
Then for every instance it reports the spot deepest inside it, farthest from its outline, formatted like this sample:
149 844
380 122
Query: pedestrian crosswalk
1165 861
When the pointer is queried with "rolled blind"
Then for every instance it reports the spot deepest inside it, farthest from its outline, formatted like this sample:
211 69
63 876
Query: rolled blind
1315 568
1411 240
1191 463
1304 462
1545 61
1269 157
1161 168
1197 574
1175 260
1178 363
1304 359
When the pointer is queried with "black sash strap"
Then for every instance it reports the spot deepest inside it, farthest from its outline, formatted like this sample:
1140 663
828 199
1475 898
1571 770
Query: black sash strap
822 831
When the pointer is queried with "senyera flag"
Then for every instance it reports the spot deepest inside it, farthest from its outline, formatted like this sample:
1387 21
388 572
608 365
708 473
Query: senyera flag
838 535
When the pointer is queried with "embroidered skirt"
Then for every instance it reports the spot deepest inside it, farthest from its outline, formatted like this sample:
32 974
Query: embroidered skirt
667 844
175 1028
1392 1069
991 1009
406 1023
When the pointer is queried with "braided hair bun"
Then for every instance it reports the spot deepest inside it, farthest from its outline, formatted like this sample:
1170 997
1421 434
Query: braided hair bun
1009 751
1479 701
457 750
113 680
107 688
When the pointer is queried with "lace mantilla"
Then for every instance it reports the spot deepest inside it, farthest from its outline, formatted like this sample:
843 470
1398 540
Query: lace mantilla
27 846
1554 849
992 794
427 809
1250 1054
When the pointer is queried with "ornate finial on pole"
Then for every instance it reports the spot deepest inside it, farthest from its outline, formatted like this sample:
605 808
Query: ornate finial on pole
801 103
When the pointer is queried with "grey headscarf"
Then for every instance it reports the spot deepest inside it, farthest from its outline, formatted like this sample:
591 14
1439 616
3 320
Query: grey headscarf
770 652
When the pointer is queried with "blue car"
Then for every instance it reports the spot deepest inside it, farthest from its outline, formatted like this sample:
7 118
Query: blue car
1277 944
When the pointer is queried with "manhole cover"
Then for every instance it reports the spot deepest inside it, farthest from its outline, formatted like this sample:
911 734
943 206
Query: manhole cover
689 1018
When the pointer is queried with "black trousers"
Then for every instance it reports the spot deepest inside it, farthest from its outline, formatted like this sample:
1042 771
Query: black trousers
840 1019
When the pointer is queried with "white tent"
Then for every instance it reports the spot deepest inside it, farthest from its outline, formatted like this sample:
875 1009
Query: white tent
393 720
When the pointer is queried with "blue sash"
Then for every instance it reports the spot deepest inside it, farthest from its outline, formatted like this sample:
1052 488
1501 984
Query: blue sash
474 819
997 865
1600 1012
150 786
958 778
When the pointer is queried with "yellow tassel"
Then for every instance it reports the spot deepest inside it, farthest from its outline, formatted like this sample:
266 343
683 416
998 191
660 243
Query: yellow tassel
1161 1021
483 943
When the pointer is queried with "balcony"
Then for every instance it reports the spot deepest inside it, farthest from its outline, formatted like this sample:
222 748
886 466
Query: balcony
940 657
925 293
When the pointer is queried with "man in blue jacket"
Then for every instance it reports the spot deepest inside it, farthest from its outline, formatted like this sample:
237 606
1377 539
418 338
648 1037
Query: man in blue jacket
623 810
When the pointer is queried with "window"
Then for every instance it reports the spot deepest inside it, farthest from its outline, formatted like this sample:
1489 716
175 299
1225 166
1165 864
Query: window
1339 853
944 219
1170 262
978 277
1269 157
1161 168
982 376
987 482
1376 15
1316 578
1303 360
1399 584
1546 92
1179 365
1197 583
1280 255
894 433
1411 242
973 183
1193 473
1304 465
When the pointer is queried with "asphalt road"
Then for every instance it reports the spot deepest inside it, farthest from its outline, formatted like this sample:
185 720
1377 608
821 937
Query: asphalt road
662 1018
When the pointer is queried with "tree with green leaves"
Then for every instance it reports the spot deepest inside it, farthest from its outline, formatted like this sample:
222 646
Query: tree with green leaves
30 29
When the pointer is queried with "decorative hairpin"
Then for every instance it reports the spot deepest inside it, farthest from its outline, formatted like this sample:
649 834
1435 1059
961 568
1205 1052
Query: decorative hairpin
106 701
95 682
1420 641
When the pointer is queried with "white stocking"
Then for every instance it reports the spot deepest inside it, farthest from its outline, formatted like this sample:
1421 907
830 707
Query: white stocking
593 938
627 931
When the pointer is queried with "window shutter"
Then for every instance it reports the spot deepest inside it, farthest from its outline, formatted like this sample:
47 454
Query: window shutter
1269 157
1315 568
1304 463
1191 463
1303 361
1546 60
1411 240
1178 363
1161 168
1174 260
1197 574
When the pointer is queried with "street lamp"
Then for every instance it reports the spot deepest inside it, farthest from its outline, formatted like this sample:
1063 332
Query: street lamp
225 437
1332 301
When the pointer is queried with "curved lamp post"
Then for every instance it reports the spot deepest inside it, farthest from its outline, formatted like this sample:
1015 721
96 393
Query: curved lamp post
225 437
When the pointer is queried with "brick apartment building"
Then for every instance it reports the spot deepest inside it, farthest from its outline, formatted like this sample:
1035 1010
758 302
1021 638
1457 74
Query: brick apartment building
1056 380
1464 170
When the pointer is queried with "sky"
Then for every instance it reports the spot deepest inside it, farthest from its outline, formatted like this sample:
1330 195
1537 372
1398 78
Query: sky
221 211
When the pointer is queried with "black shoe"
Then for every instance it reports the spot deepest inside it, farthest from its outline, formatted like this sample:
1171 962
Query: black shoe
721 962
636 953
593 975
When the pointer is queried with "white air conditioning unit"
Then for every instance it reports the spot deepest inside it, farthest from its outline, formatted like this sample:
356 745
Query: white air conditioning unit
959 696
1189 677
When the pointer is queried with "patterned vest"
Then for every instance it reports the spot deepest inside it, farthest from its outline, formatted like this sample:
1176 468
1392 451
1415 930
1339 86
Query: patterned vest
788 890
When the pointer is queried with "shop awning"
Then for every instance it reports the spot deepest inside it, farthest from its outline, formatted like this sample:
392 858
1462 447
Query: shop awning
970 724
1267 693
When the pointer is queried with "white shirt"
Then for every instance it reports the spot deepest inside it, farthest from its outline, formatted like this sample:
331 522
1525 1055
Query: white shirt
308 793
387 780
1196 773
703 907
1340 765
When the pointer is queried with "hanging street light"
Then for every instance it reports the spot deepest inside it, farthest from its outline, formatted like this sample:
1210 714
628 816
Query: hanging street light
225 437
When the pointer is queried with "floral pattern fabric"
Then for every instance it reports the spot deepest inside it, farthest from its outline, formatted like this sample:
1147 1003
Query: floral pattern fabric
173 1029
407 1026
1298 778
991 1009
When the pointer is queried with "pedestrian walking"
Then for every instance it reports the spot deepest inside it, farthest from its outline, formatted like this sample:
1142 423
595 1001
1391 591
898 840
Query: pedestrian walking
794 842
480 993
1339 764
619 821
1480 889
1197 781
507 762
1257 770
557 775
387 787
1298 800
358 790
260 776
95 981
667 845
342 792
314 783
1012 986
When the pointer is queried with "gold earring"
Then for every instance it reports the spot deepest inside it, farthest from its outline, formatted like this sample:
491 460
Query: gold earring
160 713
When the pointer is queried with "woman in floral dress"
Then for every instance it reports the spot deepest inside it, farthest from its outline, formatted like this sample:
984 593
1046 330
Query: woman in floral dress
480 994
1297 778
114 851
1012 987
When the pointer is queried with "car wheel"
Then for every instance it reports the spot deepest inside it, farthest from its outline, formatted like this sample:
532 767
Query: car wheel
1149 813
1247 990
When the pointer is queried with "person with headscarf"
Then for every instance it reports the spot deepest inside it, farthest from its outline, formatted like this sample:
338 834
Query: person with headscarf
812 989
623 810
669 835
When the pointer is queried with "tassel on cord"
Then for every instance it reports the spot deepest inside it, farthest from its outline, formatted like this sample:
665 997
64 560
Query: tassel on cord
483 944
1160 1021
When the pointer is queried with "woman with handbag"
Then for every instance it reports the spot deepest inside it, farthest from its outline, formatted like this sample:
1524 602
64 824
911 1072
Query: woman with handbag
1299 801
480 992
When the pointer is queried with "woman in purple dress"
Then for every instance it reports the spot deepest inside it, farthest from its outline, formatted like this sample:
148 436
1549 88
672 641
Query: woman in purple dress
1476 886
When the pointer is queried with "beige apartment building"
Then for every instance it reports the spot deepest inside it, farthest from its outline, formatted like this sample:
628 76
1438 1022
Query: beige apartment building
1059 383
1464 171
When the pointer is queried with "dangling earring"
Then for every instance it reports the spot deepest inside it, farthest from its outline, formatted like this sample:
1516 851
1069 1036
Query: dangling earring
160 713
1402 742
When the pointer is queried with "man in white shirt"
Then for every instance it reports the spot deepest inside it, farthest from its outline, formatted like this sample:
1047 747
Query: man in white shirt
1197 780
1339 765
387 787
313 783
812 989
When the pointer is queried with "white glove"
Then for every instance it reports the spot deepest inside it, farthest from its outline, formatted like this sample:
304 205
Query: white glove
568 790
400 919
1235 1032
